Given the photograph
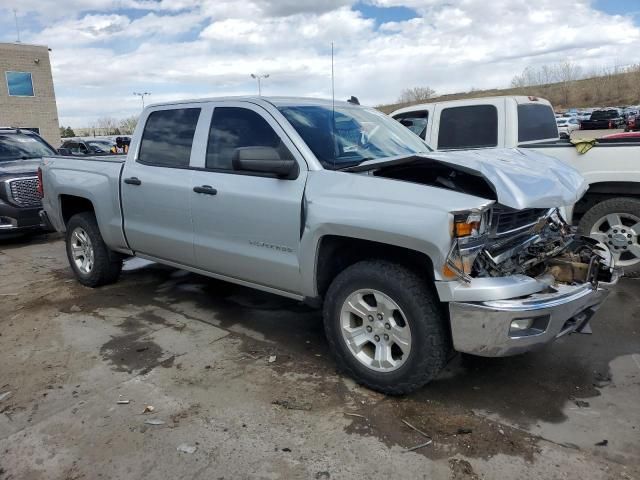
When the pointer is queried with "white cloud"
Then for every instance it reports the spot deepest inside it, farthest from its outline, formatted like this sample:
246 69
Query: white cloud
102 53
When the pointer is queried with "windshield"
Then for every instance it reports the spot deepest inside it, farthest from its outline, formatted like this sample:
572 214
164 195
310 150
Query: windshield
101 144
19 146
360 134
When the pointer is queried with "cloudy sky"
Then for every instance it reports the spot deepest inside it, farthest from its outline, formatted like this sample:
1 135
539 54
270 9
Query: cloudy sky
104 50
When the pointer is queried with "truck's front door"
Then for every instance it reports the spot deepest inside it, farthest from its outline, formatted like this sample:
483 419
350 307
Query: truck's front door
247 226
156 186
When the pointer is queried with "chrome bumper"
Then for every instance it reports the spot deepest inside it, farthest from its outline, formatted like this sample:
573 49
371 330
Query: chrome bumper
488 329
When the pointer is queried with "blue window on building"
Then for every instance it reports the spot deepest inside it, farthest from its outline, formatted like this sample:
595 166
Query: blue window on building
19 84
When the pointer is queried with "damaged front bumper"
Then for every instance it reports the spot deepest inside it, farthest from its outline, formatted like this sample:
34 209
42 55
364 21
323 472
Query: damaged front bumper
497 328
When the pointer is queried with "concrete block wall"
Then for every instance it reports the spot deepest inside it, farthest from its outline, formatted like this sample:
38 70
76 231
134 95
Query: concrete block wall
39 111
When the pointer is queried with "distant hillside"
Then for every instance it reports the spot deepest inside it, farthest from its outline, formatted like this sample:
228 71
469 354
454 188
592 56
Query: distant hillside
608 90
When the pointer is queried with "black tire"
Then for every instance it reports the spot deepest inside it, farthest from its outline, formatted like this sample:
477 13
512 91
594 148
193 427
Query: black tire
106 264
626 205
425 316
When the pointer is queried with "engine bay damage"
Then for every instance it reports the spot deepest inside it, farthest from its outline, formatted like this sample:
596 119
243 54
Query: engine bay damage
547 249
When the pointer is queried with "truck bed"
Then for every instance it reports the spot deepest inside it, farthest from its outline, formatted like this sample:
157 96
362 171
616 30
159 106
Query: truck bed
95 177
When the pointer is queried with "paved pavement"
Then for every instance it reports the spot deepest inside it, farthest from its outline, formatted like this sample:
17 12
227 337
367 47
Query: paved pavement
199 352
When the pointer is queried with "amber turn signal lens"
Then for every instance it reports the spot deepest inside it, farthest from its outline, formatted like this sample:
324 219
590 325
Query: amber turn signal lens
463 229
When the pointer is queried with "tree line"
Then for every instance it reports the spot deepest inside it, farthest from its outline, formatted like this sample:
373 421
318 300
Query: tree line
564 84
103 126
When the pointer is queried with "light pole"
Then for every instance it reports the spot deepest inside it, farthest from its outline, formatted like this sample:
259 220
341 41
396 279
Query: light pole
258 77
141 95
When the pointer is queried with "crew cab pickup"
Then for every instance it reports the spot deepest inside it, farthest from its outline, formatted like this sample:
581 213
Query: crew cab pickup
411 253
20 204
610 209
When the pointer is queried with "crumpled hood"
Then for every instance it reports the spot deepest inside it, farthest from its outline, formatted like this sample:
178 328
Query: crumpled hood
520 178
19 167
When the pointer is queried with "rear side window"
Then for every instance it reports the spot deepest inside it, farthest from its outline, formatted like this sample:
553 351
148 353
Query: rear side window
472 126
233 128
414 121
536 122
168 136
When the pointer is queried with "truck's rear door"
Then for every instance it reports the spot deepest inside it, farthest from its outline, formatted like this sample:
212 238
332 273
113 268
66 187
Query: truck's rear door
247 225
156 186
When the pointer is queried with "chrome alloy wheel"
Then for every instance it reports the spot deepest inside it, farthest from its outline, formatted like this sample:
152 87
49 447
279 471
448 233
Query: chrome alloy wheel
82 250
620 232
375 330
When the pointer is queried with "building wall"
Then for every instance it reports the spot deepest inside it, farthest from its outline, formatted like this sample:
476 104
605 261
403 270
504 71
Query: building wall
39 111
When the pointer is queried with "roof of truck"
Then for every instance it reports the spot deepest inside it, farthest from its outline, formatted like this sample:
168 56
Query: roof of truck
276 101
472 101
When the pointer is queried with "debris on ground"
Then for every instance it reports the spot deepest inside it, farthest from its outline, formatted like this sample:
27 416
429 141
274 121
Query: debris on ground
154 421
123 402
286 449
272 358
462 470
148 409
292 404
416 447
5 395
355 415
582 404
464 431
323 474
602 443
75 308
185 448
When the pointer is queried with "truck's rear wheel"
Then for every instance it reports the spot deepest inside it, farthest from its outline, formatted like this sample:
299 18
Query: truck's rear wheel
385 326
91 261
616 223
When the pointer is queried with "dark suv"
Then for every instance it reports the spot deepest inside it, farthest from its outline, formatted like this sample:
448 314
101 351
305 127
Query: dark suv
20 204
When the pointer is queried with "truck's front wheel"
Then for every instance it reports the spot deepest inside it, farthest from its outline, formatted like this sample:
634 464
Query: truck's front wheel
385 326
616 223
90 259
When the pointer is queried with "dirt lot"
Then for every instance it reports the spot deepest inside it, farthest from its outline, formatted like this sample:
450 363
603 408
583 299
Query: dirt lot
242 386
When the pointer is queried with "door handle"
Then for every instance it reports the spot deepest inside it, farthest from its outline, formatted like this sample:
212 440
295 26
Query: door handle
206 189
133 181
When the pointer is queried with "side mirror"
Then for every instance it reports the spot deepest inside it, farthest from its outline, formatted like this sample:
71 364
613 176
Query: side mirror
264 160
64 151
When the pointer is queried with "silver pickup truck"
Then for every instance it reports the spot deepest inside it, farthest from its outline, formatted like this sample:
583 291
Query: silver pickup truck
413 254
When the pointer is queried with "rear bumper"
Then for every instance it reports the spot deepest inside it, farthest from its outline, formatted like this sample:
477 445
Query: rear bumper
487 329
18 220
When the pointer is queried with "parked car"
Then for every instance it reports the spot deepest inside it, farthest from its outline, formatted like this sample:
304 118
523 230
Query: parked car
20 204
609 210
78 146
410 252
599 119
583 116
566 126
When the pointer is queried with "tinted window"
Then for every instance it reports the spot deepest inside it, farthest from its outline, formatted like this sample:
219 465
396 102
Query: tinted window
468 127
19 84
168 136
233 128
414 121
536 122
604 114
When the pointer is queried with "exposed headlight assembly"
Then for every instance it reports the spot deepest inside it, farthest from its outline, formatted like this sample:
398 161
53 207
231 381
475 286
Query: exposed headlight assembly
470 231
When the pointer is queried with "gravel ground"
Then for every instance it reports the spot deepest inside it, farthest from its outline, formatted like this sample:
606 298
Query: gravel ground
242 386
